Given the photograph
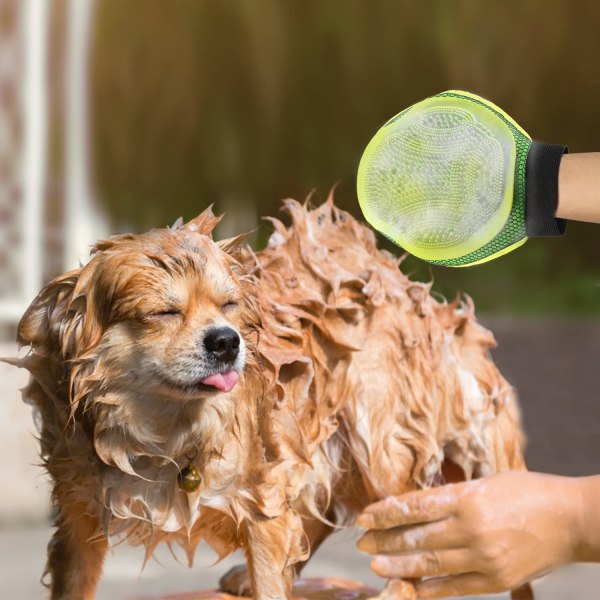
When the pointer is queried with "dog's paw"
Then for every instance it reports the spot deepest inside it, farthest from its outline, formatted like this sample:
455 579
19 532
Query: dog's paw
236 582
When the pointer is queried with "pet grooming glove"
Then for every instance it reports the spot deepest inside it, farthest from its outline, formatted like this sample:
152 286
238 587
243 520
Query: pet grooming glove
456 181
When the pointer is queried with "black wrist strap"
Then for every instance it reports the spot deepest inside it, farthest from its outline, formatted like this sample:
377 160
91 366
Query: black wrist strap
541 176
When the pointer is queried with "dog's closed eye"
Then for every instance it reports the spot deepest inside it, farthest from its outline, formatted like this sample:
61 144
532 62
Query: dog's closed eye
169 312
229 306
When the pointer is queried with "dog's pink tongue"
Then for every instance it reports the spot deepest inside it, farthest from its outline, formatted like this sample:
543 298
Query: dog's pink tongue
222 381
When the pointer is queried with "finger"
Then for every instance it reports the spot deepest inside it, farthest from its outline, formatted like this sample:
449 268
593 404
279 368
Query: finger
415 507
438 535
456 585
423 564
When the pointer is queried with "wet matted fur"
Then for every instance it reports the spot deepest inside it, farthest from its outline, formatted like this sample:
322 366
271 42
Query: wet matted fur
355 384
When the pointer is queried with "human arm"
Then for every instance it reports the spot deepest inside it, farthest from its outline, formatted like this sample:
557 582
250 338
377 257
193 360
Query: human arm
484 536
579 187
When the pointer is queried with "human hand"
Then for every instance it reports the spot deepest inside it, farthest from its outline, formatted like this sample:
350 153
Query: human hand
477 537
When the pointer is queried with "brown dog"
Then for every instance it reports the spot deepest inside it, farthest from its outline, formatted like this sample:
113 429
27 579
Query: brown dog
189 390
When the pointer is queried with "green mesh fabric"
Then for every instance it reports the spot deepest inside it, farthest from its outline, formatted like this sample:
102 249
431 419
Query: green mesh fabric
514 229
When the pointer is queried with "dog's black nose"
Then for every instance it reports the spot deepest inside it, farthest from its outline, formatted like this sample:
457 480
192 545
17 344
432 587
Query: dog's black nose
223 343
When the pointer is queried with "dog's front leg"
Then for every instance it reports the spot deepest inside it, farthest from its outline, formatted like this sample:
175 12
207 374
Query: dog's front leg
273 547
75 556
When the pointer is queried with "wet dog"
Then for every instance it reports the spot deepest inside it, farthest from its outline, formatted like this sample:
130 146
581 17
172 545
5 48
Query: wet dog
194 390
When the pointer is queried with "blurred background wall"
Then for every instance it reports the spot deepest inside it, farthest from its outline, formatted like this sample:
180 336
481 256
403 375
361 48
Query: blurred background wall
125 114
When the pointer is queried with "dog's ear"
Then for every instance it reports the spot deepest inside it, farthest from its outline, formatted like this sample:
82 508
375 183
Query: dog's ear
62 318
40 325
204 223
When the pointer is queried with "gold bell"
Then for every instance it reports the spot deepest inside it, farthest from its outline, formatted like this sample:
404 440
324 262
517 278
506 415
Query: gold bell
189 478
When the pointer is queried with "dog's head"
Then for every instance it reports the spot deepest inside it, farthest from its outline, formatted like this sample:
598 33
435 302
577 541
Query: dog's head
160 315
